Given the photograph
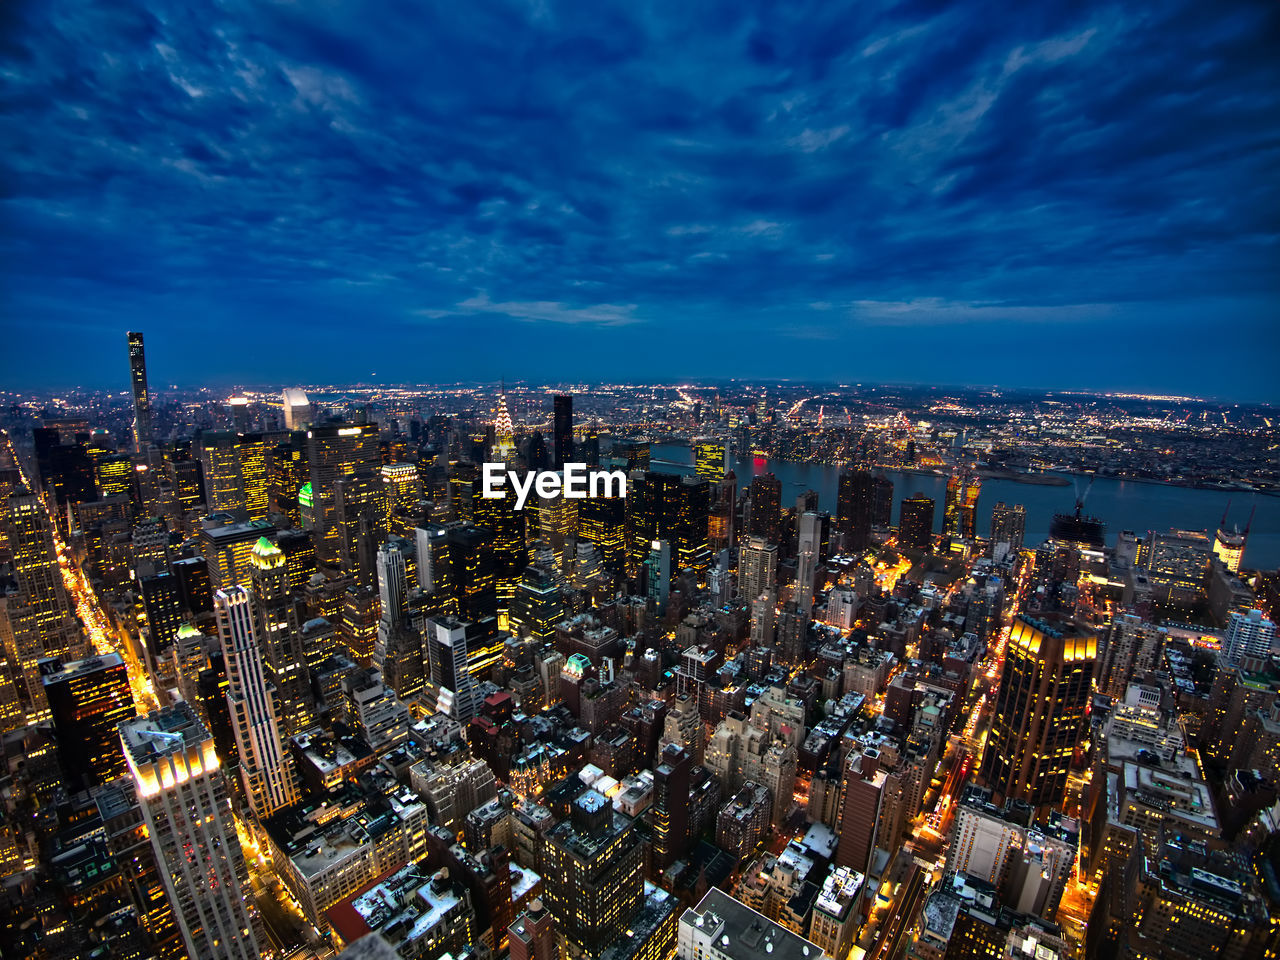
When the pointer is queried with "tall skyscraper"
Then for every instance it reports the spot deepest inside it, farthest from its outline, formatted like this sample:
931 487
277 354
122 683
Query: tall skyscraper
142 432
757 568
915 523
266 771
506 525
1041 710
183 795
1249 640
603 521
593 873
397 654
87 700
284 660
709 459
297 409
1008 524
969 508
336 451
951 505
766 507
854 500
460 654
41 618
563 426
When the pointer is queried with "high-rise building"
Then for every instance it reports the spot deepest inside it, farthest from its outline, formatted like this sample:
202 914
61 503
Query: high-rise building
915 523
41 619
183 796
87 700
593 874
1008 524
533 934
951 504
1040 711
297 409
766 507
603 521
142 432
336 451
562 450
284 660
709 459
537 606
461 655
757 568
722 928
506 525
969 508
1249 640
397 654
266 771
854 500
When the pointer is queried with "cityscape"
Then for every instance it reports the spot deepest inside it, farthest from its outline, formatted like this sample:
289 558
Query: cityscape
319 671
562 480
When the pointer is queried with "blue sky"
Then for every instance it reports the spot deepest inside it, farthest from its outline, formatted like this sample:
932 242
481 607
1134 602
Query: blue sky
1039 194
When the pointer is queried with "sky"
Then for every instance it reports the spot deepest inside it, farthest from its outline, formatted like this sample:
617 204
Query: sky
1047 194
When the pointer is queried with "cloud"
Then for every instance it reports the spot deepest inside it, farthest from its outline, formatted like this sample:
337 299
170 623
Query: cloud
702 172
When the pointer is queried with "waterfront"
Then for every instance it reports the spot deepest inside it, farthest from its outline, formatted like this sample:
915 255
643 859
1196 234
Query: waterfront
1121 504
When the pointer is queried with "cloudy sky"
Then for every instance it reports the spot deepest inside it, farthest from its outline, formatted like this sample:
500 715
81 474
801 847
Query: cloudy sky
1050 194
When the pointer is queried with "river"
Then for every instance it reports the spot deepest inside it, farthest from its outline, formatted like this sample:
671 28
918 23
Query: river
1121 504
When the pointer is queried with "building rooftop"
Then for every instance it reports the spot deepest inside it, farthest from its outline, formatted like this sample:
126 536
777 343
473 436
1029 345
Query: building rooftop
742 933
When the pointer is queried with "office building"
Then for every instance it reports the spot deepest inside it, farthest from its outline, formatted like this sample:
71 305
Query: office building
1040 710
335 451
757 569
284 659
142 430
41 619
537 606
1008 524
1249 640
266 770
722 928
593 874
915 523
87 700
709 459
854 500
187 812
562 449
297 409
766 507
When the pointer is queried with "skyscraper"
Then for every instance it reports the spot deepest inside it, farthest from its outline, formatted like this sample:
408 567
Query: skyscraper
766 507
563 427
336 451
266 772
951 505
285 662
1041 710
297 409
87 699
1008 524
142 433
593 873
757 568
397 654
41 618
854 500
915 523
183 795
709 459
1249 640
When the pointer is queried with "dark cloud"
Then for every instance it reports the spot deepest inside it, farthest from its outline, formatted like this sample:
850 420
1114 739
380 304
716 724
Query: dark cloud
948 192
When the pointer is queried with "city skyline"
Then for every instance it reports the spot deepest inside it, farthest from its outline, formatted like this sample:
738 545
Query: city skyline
1067 196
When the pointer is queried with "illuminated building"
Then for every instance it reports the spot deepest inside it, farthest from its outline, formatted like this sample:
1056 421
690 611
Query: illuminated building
403 486
915 523
833 926
458 653
1176 564
1040 711
603 521
113 476
744 820
397 654
87 699
183 796
766 507
359 522
537 605
593 874
239 407
533 934
499 517
557 525
40 616
689 547
358 623
562 448
472 572
142 433
709 459
969 509
297 409
657 574
1228 546
285 664
164 612
299 552
426 914
374 711
671 804
254 475
951 504
757 568
504 434
228 546
194 586
1008 524
1249 641
266 771
186 477
223 480
336 451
